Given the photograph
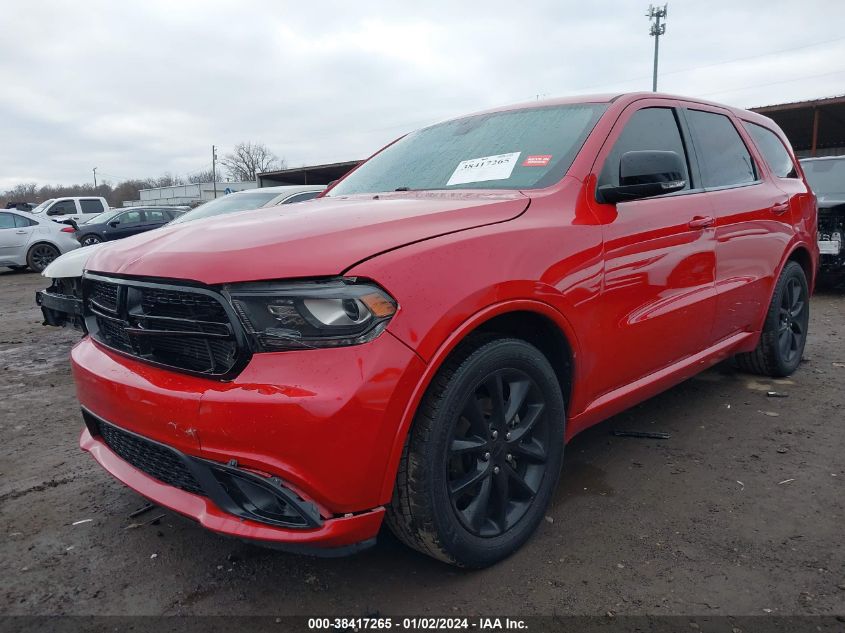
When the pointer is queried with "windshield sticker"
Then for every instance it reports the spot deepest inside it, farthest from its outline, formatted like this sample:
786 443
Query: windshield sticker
497 167
537 160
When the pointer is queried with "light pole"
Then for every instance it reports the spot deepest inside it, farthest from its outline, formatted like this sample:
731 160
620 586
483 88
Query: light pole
95 177
658 28
214 169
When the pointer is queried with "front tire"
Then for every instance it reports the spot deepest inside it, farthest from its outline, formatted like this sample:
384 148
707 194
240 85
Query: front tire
784 335
483 457
88 240
40 256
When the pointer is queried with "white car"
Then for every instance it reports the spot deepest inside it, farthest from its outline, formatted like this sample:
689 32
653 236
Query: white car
27 240
78 209
61 303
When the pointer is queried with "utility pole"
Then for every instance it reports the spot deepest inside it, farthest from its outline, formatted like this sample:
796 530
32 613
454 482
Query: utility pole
658 28
95 177
214 168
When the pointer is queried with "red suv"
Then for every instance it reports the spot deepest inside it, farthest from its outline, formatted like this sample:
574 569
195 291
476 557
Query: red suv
417 345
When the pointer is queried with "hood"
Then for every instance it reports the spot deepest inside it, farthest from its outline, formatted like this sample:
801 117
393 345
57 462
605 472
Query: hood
70 264
320 237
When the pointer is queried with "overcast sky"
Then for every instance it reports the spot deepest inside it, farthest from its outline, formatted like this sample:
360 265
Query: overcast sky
141 88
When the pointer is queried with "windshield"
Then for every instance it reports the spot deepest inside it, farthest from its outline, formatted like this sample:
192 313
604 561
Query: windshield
105 216
826 177
42 206
228 204
519 149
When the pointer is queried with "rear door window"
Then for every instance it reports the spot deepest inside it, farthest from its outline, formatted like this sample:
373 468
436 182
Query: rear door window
92 205
722 156
157 216
647 129
772 149
22 222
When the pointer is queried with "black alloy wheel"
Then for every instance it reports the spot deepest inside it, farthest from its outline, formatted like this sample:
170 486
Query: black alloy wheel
498 452
792 331
40 256
482 459
784 335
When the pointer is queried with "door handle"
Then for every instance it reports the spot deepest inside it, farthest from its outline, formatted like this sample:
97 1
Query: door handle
702 222
780 207
21 232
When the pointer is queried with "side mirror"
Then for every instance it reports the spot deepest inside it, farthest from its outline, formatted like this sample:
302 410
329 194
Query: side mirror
55 211
644 174
114 223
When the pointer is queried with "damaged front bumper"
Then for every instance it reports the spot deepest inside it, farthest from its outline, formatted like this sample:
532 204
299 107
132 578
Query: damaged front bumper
61 304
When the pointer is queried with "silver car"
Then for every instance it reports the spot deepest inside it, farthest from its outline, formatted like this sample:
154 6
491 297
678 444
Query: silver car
30 241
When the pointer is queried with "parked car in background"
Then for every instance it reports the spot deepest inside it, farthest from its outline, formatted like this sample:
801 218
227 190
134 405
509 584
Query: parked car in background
72 208
116 224
827 179
61 303
31 241
21 206
417 345
253 199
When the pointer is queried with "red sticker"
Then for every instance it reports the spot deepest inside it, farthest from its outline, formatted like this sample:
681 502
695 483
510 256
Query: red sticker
537 160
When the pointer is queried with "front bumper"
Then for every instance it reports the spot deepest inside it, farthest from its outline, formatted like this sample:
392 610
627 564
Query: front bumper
60 309
336 537
323 422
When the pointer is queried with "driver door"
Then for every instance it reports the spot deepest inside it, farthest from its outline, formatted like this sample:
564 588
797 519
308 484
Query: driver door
126 224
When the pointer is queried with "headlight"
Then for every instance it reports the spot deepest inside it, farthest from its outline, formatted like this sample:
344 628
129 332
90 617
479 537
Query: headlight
304 315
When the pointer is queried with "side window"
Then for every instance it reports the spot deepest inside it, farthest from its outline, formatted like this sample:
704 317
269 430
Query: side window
7 221
301 197
772 149
649 128
63 207
129 218
92 206
22 222
723 157
157 215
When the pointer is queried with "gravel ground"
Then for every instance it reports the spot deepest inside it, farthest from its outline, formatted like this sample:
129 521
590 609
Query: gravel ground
740 512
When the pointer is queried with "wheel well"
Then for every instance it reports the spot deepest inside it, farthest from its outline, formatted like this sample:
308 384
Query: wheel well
802 256
542 333
39 243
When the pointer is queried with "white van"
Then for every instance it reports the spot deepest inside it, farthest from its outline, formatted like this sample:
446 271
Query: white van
79 209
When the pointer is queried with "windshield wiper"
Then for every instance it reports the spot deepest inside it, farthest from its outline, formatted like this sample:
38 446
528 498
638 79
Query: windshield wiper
402 189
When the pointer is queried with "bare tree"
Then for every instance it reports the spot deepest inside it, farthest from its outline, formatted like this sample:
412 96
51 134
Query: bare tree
22 193
165 180
204 176
250 159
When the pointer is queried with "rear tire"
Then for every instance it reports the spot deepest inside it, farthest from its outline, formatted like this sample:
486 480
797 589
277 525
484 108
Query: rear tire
784 335
40 256
476 477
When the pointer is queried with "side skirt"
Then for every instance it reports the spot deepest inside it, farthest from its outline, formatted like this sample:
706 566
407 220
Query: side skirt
628 395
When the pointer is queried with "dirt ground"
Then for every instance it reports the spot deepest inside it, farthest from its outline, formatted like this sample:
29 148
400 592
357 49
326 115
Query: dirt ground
740 512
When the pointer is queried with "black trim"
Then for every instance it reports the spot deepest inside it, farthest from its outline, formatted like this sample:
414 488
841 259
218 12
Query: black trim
207 476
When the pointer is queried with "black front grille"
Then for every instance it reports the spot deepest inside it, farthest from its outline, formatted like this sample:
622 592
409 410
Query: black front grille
154 459
104 294
186 328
